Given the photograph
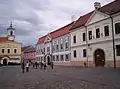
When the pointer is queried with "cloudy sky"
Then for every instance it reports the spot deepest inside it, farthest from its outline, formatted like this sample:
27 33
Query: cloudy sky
35 18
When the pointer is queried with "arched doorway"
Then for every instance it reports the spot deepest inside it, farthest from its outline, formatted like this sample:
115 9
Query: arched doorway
99 56
48 60
5 62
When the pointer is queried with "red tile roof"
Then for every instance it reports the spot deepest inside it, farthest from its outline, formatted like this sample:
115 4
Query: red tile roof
57 33
82 20
29 50
3 39
110 8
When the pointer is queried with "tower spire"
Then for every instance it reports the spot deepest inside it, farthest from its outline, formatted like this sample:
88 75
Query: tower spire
11 24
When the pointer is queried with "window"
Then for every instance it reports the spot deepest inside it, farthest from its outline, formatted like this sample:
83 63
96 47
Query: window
118 50
62 57
66 45
90 35
74 39
15 50
53 47
106 30
3 50
61 44
57 47
67 57
75 53
117 28
84 37
66 42
57 57
97 33
8 50
53 59
84 52
48 49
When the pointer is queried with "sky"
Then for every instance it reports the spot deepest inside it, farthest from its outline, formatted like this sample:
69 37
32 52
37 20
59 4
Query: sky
33 19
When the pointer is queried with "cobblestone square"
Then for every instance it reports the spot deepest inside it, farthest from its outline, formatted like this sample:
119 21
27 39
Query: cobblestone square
60 78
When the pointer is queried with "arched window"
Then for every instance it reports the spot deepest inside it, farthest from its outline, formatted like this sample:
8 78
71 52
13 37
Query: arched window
11 32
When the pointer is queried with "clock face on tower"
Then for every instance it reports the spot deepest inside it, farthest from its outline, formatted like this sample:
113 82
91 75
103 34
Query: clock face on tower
11 38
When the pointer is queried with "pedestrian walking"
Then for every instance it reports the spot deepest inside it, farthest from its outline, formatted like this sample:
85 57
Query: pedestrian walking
33 64
36 65
27 67
41 65
45 65
23 66
52 64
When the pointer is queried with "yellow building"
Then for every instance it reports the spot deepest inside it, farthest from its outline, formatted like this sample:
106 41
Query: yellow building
10 50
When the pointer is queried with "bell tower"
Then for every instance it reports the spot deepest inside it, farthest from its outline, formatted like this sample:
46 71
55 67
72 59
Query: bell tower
11 34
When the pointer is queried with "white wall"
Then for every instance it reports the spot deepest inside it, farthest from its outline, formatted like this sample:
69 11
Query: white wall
104 43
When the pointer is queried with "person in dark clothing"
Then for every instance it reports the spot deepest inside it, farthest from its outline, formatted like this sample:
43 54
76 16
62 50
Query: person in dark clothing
45 66
36 65
41 65
23 66
33 65
52 65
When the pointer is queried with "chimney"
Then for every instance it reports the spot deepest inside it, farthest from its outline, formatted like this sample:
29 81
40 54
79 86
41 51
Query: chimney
97 5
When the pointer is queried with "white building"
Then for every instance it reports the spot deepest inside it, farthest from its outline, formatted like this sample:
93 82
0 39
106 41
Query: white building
55 47
95 35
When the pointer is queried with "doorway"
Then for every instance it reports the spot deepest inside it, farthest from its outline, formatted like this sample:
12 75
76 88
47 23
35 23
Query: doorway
5 62
99 56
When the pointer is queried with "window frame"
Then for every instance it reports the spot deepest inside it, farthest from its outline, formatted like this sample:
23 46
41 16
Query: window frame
75 53
15 51
3 50
117 30
98 33
117 50
8 50
84 53
74 39
106 31
84 36
66 55
90 35
61 57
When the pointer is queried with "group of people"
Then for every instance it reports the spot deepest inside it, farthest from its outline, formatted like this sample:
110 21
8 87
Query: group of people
42 65
25 66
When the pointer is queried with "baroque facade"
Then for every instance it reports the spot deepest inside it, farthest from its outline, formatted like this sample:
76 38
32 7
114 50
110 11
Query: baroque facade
55 47
10 50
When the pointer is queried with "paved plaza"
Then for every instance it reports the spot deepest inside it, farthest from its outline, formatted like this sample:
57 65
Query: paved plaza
60 78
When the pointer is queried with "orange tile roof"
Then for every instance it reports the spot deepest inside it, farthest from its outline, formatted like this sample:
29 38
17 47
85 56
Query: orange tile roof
3 39
57 33
110 9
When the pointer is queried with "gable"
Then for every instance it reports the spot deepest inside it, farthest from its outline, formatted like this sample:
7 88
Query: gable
48 38
96 16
